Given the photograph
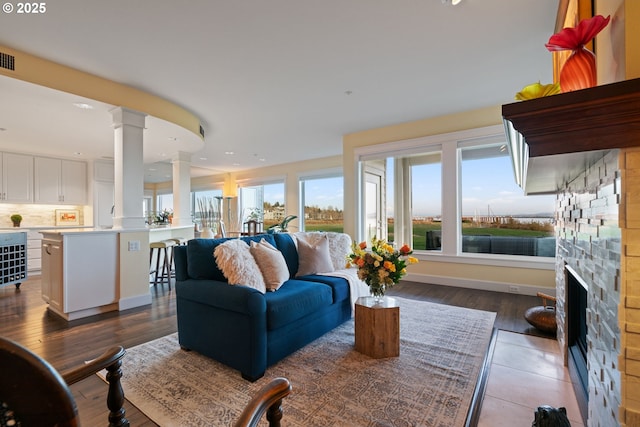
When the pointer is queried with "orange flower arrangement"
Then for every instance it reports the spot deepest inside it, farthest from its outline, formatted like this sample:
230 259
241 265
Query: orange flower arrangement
382 266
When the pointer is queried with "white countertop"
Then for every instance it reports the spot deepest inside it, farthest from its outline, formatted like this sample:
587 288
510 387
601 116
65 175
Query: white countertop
88 230
169 227
42 227
85 230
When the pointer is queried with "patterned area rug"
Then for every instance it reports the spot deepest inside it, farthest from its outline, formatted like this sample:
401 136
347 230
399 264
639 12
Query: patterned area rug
442 350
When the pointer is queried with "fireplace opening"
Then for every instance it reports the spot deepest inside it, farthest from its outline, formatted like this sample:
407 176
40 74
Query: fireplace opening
576 312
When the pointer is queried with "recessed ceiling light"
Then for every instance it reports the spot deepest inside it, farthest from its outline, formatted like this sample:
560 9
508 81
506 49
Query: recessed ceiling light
83 105
152 169
235 164
348 92
173 138
229 153
203 158
262 159
77 153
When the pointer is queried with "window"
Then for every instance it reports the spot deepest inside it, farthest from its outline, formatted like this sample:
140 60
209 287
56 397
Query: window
454 195
496 216
165 202
200 199
412 192
322 200
264 203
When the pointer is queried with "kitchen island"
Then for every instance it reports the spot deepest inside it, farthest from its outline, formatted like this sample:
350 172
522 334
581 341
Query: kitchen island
80 271
88 271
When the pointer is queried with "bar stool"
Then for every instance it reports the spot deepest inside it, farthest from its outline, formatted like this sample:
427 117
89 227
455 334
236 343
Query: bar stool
161 249
180 240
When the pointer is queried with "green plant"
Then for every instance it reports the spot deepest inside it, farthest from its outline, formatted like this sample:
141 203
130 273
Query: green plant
16 218
281 227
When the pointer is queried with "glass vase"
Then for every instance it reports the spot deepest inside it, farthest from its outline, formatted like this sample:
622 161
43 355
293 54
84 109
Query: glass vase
579 71
207 233
377 292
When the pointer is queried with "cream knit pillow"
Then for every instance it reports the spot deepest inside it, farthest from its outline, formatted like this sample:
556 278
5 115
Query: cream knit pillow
238 265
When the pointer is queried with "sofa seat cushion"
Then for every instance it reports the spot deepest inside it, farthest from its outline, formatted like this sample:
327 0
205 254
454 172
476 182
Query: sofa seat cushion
339 286
200 261
294 300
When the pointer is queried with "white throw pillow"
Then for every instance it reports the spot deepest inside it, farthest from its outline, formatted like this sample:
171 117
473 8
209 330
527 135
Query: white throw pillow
339 248
238 265
271 263
314 258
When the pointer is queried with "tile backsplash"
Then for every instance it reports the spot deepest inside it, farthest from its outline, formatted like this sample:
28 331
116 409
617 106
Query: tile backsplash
34 215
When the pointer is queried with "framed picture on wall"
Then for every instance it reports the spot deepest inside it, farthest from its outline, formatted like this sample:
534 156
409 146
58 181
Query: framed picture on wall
67 217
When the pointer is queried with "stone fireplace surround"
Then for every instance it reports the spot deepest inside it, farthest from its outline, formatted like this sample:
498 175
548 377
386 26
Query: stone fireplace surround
585 147
588 237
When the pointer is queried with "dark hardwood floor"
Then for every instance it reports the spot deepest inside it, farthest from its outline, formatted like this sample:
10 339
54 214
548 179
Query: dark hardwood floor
24 318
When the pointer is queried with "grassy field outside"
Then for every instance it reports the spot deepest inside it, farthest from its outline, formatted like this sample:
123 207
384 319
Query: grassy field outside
420 229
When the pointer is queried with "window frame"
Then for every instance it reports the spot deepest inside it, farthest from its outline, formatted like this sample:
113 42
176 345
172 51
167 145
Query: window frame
450 145
258 182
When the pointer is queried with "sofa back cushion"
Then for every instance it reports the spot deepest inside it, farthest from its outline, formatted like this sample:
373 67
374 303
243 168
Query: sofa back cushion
200 261
286 245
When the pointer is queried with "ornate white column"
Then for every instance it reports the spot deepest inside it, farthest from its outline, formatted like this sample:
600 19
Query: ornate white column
129 171
182 188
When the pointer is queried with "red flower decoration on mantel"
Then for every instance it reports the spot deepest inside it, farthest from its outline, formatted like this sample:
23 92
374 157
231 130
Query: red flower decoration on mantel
579 71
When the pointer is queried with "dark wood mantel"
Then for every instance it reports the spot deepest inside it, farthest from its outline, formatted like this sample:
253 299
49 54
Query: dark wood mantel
579 123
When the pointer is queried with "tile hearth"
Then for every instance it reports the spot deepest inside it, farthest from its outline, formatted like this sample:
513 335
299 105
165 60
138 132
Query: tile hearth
526 372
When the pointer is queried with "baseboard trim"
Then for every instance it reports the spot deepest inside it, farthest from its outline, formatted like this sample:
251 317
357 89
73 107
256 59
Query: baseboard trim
510 288
133 302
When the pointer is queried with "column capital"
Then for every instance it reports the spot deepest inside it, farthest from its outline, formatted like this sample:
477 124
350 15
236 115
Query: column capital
181 156
125 116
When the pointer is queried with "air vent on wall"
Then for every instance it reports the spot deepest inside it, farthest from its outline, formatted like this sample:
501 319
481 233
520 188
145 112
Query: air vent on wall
7 61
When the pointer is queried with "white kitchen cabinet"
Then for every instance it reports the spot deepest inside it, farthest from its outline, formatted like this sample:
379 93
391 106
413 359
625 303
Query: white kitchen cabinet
103 193
17 178
79 277
103 204
103 170
34 251
52 283
59 181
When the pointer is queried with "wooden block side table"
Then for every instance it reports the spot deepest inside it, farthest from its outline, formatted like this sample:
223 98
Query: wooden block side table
377 327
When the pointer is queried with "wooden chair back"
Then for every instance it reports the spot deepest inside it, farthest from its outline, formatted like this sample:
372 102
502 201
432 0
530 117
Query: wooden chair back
269 400
33 389
39 395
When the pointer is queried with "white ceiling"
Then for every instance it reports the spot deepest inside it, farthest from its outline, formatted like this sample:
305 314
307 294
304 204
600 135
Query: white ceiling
274 81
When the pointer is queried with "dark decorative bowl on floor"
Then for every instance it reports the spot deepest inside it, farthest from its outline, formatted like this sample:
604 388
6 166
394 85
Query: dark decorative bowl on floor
543 317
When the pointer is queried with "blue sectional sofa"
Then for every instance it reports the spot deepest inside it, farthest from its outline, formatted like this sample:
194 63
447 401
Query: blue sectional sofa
243 328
